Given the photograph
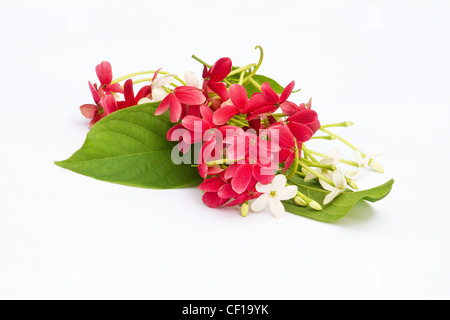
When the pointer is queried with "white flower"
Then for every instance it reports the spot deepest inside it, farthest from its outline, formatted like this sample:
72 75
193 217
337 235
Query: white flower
273 194
191 80
158 92
340 186
332 160
363 162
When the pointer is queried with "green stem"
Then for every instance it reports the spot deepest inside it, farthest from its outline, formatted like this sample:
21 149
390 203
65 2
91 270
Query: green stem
342 140
237 71
296 162
324 138
256 84
319 165
318 175
261 58
201 61
241 78
341 124
132 75
279 115
307 152
350 163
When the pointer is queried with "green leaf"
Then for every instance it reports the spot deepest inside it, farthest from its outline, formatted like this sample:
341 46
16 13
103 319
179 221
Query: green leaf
129 147
340 206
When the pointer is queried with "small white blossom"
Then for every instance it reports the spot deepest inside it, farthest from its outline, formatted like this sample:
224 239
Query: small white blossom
363 162
332 160
192 80
340 185
158 92
273 194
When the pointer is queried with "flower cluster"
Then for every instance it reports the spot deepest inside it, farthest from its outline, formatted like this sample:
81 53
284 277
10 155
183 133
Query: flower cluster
248 136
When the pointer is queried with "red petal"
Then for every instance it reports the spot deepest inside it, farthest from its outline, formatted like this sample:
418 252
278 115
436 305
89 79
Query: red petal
263 175
220 89
289 108
163 106
94 93
227 192
212 200
207 115
195 124
242 178
175 108
224 114
239 97
104 72
109 104
220 70
300 131
115 88
189 95
287 91
256 101
89 110
269 93
129 93
143 93
289 161
305 117
238 201
175 133
231 171
211 185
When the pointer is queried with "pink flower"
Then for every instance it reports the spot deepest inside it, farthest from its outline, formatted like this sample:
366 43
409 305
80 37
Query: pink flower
105 75
268 101
181 95
213 78
211 187
227 192
130 99
286 140
239 98
304 124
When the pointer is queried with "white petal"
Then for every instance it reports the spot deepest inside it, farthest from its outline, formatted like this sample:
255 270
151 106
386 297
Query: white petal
144 101
277 208
309 177
260 203
163 81
358 156
279 182
335 155
287 193
328 161
331 196
264 188
326 185
158 94
191 79
339 179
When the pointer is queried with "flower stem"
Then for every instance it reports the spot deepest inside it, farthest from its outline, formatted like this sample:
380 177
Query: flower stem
296 162
261 58
132 75
256 84
318 175
311 152
237 71
201 61
324 137
342 140
318 165
341 124
279 115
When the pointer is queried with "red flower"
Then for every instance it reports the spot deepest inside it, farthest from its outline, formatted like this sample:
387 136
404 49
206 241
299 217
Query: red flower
255 158
304 124
268 101
103 106
130 99
211 187
105 75
227 192
239 98
286 141
182 95
213 78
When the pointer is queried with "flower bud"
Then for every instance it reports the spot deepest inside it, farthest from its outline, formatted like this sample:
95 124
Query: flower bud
300 202
376 166
313 204
244 209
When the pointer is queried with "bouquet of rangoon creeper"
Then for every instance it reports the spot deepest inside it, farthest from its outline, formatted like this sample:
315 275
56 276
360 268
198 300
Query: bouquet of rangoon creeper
237 135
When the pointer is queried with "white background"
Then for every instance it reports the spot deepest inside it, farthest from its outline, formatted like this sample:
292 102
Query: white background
382 64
